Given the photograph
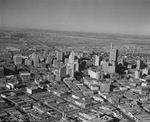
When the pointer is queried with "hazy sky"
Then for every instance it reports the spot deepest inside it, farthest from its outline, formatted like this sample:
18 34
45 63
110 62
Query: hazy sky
106 16
0 12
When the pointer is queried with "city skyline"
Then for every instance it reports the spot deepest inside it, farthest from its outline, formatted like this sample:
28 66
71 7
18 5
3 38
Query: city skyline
100 16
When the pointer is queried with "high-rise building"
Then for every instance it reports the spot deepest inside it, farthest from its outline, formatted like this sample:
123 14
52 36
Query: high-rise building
57 78
137 74
113 55
59 64
59 55
62 71
140 64
97 60
145 71
50 76
72 73
104 64
111 68
102 75
17 59
72 57
94 73
35 59
45 53
72 65
76 66
49 60
66 60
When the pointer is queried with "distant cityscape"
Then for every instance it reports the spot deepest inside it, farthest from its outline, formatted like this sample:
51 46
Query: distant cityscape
50 83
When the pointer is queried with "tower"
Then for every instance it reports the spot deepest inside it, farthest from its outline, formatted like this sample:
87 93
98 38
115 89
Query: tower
71 57
35 59
97 60
113 56
59 55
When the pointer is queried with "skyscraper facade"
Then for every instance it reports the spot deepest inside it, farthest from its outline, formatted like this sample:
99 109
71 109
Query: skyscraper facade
35 59
113 55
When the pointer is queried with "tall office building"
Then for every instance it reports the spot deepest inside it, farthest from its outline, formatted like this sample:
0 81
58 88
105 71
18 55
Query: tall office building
97 60
104 64
76 66
66 60
71 63
17 59
67 69
58 77
140 64
49 60
59 55
145 71
72 73
72 57
54 62
111 67
62 71
137 74
113 55
35 59
70 69
45 53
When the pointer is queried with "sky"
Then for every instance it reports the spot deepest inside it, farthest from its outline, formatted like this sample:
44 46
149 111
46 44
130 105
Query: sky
100 16
0 12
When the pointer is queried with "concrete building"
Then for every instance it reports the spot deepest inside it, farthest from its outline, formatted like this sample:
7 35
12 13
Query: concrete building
72 57
97 60
104 64
105 87
28 62
17 59
137 74
94 73
113 55
59 55
145 71
50 76
35 59
140 64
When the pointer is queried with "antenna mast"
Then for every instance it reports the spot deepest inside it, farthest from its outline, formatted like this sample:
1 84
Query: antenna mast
111 46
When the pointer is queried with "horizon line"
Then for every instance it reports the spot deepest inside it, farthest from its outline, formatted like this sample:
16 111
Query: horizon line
56 30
